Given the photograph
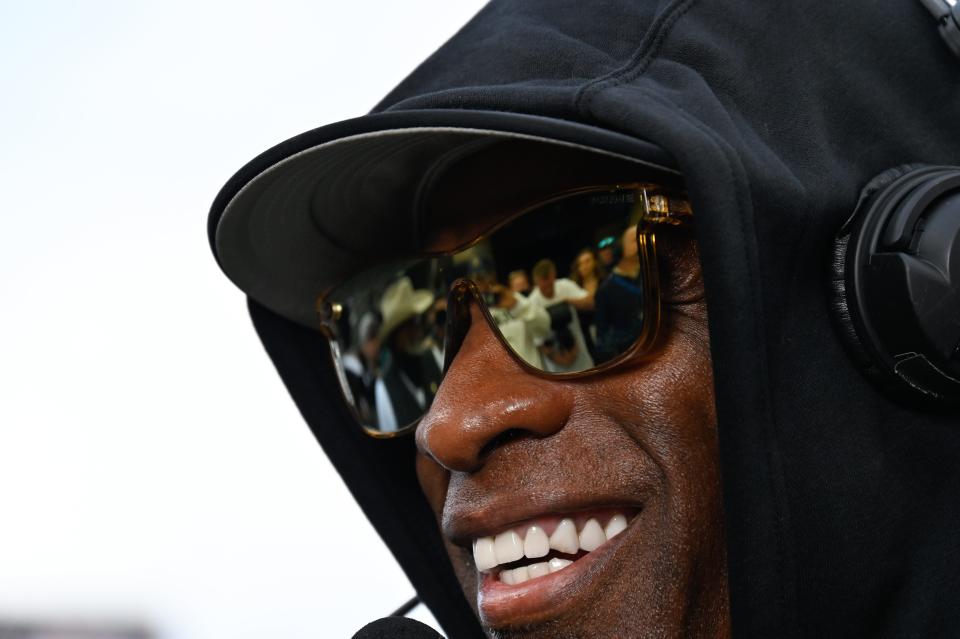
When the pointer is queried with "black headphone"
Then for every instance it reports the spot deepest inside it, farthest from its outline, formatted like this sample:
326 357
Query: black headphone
896 283
896 272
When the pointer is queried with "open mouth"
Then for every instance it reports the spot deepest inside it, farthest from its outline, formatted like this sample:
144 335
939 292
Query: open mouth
547 545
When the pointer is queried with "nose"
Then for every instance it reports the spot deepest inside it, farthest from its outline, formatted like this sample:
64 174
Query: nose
485 398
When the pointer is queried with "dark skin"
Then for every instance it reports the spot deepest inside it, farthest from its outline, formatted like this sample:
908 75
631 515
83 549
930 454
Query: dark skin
501 444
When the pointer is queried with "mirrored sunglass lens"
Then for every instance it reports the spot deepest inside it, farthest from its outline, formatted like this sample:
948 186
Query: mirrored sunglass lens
562 283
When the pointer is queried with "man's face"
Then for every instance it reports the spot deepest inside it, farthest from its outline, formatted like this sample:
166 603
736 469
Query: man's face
545 283
606 256
502 449
408 337
629 243
519 283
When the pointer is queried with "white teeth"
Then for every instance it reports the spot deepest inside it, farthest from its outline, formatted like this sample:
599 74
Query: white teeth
521 575
558 564
533 571
616 525
483 554
508 547
541 569
564 538
592 537
536 544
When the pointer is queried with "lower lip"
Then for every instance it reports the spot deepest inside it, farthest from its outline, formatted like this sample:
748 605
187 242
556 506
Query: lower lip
502 605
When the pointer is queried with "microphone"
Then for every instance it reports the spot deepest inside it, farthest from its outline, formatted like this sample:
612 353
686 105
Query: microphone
397 628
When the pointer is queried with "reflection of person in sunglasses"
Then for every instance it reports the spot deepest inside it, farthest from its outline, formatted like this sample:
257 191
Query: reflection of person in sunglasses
519 282
607 250
619 301
586 502
565 350
522 323
361 361
587 272
411 361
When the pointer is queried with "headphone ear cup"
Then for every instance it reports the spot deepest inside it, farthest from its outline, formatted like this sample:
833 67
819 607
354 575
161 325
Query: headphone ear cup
891 292
839 307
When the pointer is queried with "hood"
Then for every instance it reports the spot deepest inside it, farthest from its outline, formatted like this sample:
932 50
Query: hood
840 503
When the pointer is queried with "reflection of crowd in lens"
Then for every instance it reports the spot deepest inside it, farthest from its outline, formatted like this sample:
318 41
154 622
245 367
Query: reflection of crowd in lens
393 357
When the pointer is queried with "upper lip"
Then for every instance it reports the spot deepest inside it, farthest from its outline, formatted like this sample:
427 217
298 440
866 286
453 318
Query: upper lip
461 525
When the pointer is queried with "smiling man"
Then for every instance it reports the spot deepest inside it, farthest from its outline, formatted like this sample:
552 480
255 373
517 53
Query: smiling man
757 440
568 501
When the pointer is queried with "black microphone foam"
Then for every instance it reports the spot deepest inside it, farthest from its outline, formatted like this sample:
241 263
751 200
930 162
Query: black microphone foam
397 628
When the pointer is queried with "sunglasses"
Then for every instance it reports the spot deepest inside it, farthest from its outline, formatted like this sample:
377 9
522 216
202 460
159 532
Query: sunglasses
561 309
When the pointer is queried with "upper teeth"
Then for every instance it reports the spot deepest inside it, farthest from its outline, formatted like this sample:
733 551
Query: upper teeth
509 546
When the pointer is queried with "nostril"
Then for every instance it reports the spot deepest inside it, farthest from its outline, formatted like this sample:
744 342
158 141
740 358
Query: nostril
500 440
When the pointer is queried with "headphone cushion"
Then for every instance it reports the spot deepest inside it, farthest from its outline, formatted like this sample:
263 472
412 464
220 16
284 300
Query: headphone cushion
839 306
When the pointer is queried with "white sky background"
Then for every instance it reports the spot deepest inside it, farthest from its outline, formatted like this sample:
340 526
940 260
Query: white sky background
152 466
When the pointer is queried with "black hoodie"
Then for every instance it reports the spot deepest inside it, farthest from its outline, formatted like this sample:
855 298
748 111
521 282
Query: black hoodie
842 505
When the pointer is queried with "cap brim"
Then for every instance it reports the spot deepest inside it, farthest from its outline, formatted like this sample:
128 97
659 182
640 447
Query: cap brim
316 208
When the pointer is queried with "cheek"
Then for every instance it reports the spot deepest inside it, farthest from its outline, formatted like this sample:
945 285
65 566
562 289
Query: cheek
683 440
666 405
